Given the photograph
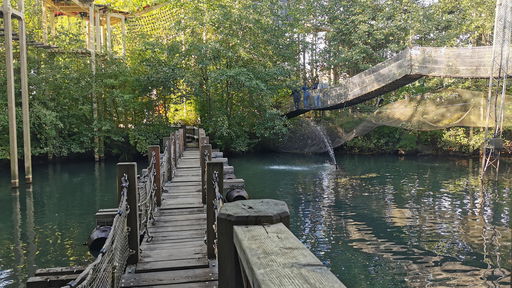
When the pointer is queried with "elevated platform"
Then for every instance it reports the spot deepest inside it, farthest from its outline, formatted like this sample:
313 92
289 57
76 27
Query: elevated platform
404 68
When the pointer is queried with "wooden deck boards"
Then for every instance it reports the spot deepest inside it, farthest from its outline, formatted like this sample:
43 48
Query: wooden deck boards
176 257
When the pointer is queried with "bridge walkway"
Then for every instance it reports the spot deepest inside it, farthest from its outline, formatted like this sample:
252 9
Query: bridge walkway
176 256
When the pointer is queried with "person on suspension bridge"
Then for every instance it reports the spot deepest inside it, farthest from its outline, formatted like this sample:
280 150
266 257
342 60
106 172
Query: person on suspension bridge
306 94
296 98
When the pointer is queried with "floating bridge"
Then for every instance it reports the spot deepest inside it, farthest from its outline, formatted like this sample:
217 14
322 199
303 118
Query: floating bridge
186 221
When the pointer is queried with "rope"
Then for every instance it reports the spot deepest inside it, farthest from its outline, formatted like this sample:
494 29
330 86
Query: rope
108 267
147 199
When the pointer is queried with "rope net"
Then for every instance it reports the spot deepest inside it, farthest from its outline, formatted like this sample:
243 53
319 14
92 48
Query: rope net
431 111
108 267
156 22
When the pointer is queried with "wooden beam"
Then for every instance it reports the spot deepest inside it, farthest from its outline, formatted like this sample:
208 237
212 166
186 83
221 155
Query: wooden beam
271 256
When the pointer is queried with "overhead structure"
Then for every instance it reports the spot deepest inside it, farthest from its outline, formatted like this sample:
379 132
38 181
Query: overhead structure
9 14
495 112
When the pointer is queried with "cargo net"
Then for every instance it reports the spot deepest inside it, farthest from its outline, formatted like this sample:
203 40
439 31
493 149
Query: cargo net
107 269
431 111
155 22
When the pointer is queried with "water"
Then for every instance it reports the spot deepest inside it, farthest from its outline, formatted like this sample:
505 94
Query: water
385 221
327 142
379 221
46 226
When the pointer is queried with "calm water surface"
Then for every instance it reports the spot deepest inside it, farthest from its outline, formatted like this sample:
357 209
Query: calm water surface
384 221
47 225
380 221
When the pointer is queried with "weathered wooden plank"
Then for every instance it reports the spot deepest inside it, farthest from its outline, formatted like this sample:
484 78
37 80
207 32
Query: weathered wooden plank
164 218
163 246
59 271
163 240
168 277
50 281
209 284
165 211
173 254
170 265
178 228
273 257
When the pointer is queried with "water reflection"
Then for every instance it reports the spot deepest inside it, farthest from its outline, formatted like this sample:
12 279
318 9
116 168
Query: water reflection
45 225
388 222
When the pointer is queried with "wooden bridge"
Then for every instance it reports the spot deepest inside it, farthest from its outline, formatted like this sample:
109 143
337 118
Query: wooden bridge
402 69
186 221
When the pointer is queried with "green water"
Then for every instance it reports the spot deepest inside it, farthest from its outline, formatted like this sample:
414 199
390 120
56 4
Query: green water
47 225
380 221
384 221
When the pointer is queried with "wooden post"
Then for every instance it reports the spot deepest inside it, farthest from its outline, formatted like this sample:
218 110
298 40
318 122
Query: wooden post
246 212
27 153
177 149
183 136
214 172
44 24
172 155
123 32
167 145
97 30
158 184
130 169
13 145
109 34
205 155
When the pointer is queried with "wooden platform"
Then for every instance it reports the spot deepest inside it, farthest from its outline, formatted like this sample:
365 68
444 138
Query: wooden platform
176 257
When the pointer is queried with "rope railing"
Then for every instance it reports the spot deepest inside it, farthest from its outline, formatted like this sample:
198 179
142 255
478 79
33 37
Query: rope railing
108 267
147 200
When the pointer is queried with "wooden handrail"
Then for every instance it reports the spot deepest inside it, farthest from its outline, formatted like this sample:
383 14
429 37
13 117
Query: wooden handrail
271 256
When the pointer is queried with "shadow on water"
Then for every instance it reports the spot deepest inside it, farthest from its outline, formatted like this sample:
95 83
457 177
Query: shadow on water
384 221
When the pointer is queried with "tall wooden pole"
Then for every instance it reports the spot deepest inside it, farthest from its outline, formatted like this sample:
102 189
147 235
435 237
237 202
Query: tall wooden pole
13 152
123 32
27 153
109 33
92 47
44 24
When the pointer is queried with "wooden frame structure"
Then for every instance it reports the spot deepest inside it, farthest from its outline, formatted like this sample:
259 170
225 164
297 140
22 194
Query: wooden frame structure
9 13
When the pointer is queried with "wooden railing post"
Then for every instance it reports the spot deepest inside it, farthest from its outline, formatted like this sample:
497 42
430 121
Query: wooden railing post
183 137
176 149
205 154
214 177
158 193
172 154
130 169
167 145
246 212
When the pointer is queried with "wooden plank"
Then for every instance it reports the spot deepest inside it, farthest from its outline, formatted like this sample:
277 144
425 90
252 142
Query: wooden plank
163 240
209 284
173 254
163 217
165 211
273 257
162 246
50 281
59 271
168 277
170 265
